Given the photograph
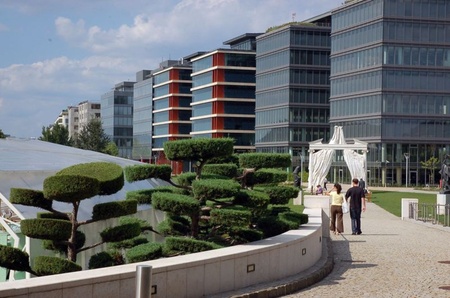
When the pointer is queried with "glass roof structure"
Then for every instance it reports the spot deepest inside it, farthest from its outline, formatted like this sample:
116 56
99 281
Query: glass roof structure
26 163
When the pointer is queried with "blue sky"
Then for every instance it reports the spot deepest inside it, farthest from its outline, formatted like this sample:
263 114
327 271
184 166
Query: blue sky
55 53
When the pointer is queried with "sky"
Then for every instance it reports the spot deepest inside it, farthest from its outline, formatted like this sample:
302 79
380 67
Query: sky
55 54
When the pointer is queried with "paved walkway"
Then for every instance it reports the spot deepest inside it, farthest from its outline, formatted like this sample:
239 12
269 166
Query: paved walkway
391 258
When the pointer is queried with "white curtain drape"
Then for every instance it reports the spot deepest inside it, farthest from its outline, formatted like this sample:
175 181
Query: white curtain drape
356 163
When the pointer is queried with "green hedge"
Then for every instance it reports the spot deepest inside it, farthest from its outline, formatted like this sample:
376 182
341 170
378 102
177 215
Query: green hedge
280 195
293 219
144 196
44 265
264 160
245 235
29 197
270 176
101 260
14 258
144 252
114 209
121 232
272 226
80 240
228 169
175 203
142 172
70 188
186 179
174 226
233 159
109 175
210 189
42 228
189 245
51 215
251 198
129 243
230 217
198 149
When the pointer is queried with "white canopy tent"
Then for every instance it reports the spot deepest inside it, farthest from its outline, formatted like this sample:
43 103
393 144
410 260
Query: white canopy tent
321 156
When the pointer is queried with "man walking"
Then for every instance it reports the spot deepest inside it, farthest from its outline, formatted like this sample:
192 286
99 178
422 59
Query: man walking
357 204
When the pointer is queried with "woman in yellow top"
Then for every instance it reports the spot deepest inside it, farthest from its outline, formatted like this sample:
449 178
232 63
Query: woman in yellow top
336 214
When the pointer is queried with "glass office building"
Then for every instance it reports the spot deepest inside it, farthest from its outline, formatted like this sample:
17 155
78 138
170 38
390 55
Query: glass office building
223 92
117 117
292 87
390 68
142 116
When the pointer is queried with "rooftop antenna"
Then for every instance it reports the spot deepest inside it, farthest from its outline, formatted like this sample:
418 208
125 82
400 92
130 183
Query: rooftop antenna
293 16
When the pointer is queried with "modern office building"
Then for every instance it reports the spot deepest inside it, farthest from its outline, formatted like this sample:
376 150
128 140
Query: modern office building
171 108
142 116
292 87
390 74
223 92
117 117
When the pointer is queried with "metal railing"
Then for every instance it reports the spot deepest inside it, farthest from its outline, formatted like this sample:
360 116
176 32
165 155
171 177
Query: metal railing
432 213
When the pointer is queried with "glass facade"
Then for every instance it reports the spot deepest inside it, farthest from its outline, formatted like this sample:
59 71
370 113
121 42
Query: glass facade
117 117
390 64
292 88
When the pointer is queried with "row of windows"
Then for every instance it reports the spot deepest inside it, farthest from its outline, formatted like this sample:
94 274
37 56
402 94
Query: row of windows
183 101
159 142
242 60
239 123
292 115
358 60
123 121
293 76
160 130
432 9
415 80
202 79
242 139
202 64
161 77
142 127
161 90
248 45
202 109
120 110
184 74
230 107
239 91
357 37
299 57
357 14
143 114
123 132
361 129
356 106
416 56
295 95
356 83
164 116
201 94
240 76
123 100
300 37
202 124
283 134
143 103
416 32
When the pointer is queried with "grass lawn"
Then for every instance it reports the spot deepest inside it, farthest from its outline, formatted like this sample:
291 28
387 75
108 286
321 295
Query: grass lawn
391 201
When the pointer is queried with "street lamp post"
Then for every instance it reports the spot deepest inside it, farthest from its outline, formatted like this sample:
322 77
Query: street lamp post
387 173
407 167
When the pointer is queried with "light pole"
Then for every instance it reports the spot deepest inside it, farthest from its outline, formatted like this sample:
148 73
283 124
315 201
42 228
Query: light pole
387 172
407 167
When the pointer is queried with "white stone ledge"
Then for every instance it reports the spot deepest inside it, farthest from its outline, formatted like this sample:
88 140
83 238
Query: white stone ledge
194 275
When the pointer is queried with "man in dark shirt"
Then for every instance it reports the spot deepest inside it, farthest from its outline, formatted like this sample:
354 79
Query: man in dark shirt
357 203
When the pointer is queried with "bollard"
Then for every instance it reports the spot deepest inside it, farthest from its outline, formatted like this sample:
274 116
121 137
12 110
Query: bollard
143 281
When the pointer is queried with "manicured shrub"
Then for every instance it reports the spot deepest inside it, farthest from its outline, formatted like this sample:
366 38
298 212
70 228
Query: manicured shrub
144 252
174 226
54 229
264 160
245 235
186 179
50 215
114 209
270 176
80 240
210 189
128 243
101 260
175 203
198 149
44 265
230 217
280 195
142 172
228 169
294 219
272 226
29 197
144 196
120 233
70 188
14 258
189 245
251 198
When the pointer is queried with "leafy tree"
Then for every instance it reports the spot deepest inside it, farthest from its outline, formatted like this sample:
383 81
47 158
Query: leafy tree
59 230
111 149
92 137
212 210
431 164
57 134
2 135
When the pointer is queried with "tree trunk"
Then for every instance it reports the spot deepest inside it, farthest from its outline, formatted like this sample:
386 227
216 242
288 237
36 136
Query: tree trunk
71 249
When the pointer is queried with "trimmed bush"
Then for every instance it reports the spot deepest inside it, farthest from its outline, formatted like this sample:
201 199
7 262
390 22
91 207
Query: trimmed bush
270 176
280 195
101 260
233 159
51 215
120 233
174 226
245 235
293 219
114 209
70 189
29 197
251 198
210 189
109 175
144 252
272 226
186 179
142 172
80 240
230 217
264 160
14 258
198 149
54 229
144 196
175 203
129 243
189 245
44 265
228 169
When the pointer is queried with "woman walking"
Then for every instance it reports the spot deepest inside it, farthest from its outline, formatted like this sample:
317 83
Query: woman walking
336 214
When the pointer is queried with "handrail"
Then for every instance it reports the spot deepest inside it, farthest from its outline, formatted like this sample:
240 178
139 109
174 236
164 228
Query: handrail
432 213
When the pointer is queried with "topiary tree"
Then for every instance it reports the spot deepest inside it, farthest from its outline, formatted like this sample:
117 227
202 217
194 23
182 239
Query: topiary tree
210 210
59 230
